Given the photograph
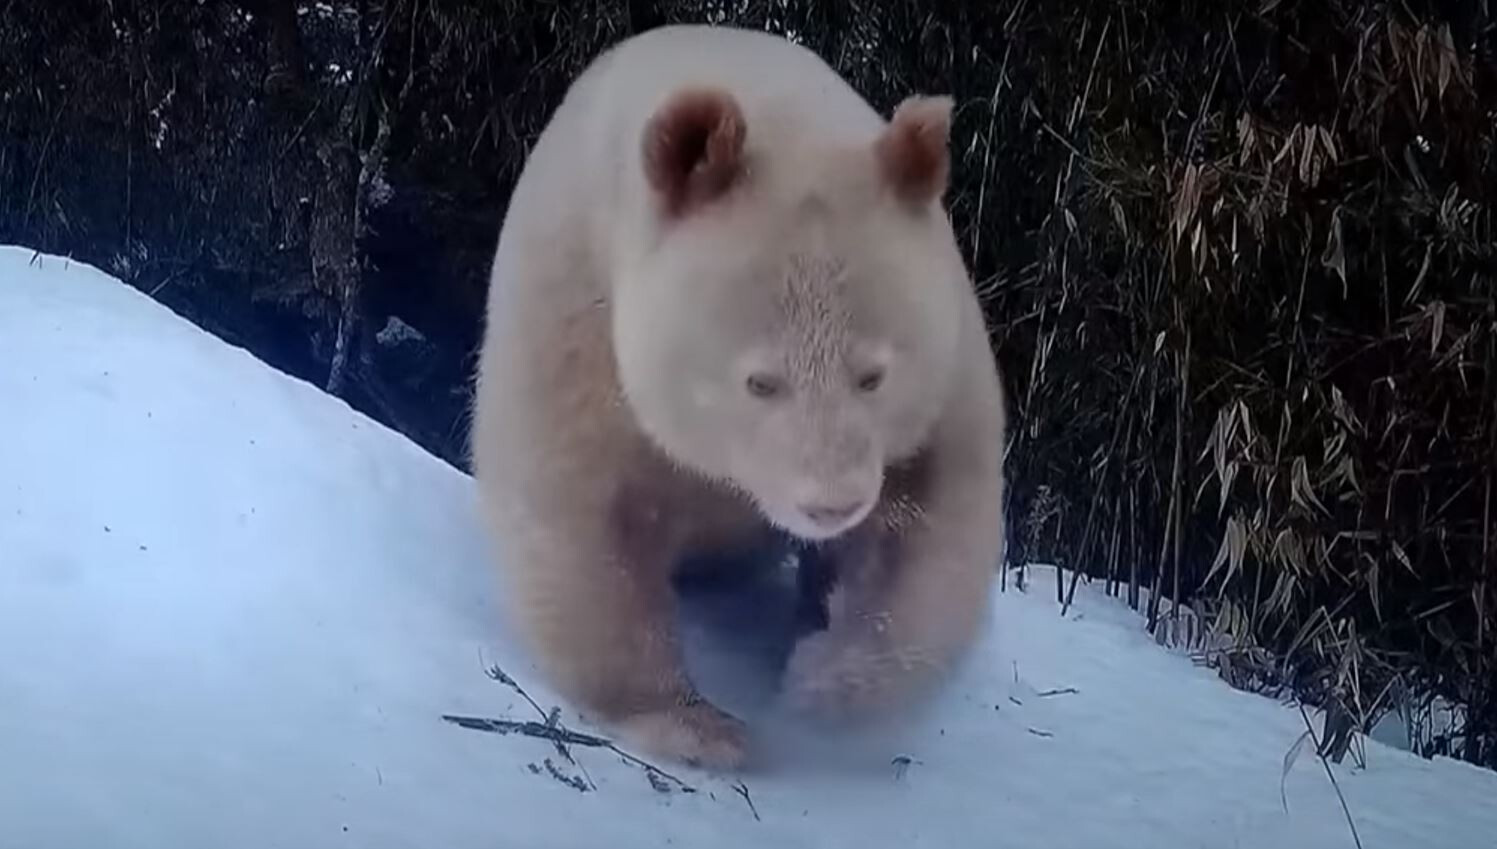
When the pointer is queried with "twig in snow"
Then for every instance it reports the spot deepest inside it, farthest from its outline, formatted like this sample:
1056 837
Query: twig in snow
1038 733
652 770
553 718
1336 785
1062 691
164 283
494 672
571 781
565 735
561 735
538 730
657 782
742 789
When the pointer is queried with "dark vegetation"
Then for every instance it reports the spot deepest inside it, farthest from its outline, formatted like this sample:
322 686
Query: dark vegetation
1238 258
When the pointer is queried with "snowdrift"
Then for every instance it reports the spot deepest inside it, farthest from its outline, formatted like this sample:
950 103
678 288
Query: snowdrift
234 613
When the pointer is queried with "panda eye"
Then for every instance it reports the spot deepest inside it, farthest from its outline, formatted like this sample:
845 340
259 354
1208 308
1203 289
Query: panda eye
764 386
870 381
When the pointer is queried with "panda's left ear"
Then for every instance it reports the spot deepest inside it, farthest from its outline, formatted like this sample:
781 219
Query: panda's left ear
913 152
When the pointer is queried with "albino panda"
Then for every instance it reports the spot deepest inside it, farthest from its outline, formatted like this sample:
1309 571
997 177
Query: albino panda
727 297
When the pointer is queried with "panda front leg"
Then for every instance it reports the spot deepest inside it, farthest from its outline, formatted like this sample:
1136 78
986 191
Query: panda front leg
912 592
594 600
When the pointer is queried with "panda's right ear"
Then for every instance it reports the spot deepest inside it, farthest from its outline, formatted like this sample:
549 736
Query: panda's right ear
693 149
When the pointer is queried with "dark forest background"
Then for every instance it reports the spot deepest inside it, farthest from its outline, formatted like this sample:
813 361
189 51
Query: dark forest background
1238 260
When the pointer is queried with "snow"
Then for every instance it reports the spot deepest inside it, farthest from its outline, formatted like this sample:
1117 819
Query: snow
233 613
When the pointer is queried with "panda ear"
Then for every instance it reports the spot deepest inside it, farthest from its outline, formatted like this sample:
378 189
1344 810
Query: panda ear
913 152
693 149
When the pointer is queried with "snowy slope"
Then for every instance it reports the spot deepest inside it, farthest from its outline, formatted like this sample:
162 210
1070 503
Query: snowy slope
233 613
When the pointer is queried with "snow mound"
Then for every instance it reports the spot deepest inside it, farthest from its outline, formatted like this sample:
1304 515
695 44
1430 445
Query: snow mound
234 612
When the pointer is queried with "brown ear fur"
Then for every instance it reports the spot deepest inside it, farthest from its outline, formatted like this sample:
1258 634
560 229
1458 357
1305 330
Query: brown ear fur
693 148
913 153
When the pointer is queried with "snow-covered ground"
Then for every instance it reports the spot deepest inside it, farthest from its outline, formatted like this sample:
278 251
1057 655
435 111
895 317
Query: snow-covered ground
233 613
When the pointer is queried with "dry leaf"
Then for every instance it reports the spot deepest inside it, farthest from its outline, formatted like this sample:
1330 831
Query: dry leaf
1334 255
1437 313
1289 759
1403 557
1423 272
1300 490
1231 553
1446 62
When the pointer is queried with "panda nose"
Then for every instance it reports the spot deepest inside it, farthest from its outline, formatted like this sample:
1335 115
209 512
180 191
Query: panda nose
831 514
